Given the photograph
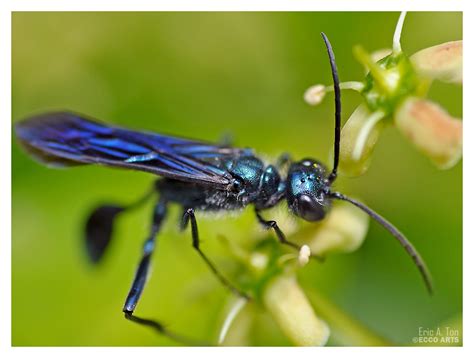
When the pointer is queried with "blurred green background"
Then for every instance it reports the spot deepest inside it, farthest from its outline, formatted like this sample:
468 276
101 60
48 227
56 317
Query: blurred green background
203 75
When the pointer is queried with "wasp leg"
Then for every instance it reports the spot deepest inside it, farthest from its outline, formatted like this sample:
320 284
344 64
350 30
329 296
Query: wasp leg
139 281
272 224
283 160
189 216
160 328
141 274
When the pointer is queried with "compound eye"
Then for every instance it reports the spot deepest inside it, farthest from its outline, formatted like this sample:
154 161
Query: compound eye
309 208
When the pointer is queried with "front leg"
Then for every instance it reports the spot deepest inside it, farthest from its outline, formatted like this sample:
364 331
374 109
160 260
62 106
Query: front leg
189 216
272 224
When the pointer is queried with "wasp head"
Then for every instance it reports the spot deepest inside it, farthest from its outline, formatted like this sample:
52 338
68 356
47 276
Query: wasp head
307 190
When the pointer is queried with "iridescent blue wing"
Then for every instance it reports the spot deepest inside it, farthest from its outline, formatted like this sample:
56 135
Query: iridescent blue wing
64 139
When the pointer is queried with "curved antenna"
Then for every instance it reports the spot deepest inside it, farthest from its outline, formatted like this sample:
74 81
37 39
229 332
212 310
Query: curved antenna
337 100
407 245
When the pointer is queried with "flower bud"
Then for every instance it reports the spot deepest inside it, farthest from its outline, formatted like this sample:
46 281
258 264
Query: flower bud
304 255
358 138
315 94
432 130
442 62
289 306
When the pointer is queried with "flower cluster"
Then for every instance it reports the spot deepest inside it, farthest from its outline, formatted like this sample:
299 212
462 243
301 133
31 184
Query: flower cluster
394 92
268 271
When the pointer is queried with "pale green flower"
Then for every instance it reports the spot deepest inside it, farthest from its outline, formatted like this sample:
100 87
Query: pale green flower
394 92
286 301
268 272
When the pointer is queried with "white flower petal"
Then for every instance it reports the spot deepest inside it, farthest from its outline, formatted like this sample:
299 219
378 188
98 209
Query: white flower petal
432 130
442 62
239 334
358 138
289 306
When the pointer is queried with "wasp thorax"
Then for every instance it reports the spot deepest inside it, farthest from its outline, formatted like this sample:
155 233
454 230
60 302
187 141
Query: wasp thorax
248 170
306 190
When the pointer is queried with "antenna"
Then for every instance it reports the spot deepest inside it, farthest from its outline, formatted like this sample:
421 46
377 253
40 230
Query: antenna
337 100
407 245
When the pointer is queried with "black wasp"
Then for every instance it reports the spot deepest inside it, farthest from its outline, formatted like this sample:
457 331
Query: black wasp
196 175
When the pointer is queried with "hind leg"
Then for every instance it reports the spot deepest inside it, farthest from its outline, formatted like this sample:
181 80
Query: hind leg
140 278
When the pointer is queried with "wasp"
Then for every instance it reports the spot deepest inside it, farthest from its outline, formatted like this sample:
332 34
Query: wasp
198 176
